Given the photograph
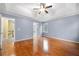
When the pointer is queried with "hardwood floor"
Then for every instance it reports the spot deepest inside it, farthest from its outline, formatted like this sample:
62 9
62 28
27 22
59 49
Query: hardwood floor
24 48
55 48
63 48
8 48
0 51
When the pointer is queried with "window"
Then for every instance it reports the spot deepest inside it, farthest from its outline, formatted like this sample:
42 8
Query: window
45 28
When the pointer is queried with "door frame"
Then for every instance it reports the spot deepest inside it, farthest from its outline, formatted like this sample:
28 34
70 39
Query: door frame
1 30
2 24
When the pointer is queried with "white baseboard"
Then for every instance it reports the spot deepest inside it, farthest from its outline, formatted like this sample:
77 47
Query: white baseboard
62 39
23 39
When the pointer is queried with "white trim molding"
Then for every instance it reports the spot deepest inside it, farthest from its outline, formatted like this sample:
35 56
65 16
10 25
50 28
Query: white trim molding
23 39
62 39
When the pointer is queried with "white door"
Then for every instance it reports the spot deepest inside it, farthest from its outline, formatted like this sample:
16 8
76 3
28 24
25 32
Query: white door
35 37
37 33
8 36
35 29
0 34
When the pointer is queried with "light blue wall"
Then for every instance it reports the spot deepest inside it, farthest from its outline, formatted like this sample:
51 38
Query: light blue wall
65 28
23 26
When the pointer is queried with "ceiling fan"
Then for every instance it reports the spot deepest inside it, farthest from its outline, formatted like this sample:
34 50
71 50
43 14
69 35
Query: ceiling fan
43 8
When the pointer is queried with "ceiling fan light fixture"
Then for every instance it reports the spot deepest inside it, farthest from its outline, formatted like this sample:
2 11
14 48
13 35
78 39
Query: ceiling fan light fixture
43 8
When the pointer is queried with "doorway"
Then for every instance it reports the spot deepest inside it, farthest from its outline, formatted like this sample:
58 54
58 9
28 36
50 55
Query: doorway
7 36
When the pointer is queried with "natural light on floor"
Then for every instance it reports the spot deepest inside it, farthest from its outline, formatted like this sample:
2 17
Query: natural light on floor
45 45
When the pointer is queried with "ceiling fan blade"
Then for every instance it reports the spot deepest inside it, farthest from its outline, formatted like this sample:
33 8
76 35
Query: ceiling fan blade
35 8
49 6
46 11
39 12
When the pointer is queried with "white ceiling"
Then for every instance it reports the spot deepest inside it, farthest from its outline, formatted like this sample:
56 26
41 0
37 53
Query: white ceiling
57 11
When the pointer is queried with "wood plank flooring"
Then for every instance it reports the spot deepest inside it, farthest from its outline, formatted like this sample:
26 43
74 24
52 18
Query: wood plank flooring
8 48
55 48
0 51
24 48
